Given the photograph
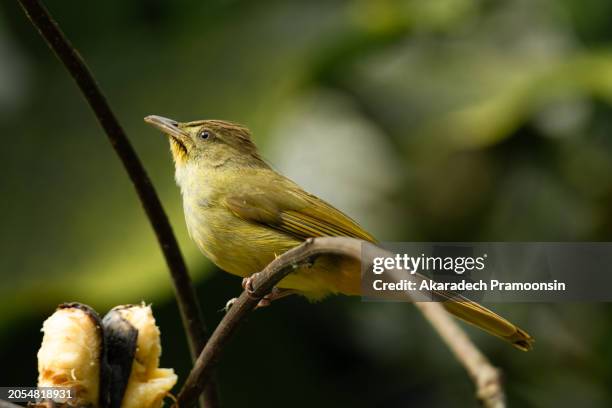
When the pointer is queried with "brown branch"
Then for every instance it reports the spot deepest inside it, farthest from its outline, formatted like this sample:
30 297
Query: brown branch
74 63
485 376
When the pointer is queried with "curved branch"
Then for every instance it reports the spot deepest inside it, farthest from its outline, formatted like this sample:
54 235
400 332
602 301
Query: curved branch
74 63
486 377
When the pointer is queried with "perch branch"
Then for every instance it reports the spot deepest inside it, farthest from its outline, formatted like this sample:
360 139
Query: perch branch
486 377
74 63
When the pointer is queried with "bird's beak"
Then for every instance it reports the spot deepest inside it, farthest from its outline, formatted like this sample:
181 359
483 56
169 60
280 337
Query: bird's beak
169 127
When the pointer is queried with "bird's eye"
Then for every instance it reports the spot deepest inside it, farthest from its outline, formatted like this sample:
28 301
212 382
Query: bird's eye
204 134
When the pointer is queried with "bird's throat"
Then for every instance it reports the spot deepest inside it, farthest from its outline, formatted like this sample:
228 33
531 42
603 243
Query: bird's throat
178 149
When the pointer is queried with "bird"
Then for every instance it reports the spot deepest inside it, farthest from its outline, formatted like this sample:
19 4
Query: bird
242 214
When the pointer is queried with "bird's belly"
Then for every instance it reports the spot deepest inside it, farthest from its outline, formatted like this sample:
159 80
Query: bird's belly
243 248
234 245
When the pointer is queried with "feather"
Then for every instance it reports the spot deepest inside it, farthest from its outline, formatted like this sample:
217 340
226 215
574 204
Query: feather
296 213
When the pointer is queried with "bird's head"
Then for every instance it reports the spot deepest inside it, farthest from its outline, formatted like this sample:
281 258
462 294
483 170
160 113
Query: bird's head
208 143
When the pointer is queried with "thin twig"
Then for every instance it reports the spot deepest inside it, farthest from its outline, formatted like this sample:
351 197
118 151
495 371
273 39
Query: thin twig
485 376
74 63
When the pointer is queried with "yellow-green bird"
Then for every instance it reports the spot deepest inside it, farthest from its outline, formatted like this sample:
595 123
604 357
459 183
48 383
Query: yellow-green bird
242 214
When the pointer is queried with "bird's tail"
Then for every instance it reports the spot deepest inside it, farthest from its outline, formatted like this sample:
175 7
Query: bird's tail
488 321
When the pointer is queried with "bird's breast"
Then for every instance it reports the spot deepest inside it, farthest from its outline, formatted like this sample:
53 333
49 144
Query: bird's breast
237 246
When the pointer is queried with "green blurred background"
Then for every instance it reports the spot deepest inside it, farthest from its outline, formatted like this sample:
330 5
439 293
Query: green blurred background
449 120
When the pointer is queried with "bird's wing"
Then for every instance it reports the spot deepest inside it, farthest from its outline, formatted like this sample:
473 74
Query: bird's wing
287 208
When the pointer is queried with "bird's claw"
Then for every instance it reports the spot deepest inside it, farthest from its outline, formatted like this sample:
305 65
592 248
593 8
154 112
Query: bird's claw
276 293
264 302
229 304
247 285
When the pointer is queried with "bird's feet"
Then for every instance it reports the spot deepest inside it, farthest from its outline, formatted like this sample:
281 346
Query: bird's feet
247 283
263 302
228 305
275 294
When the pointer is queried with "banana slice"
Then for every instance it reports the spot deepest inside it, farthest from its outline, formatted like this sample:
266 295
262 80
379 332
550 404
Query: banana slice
70 354
148 384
